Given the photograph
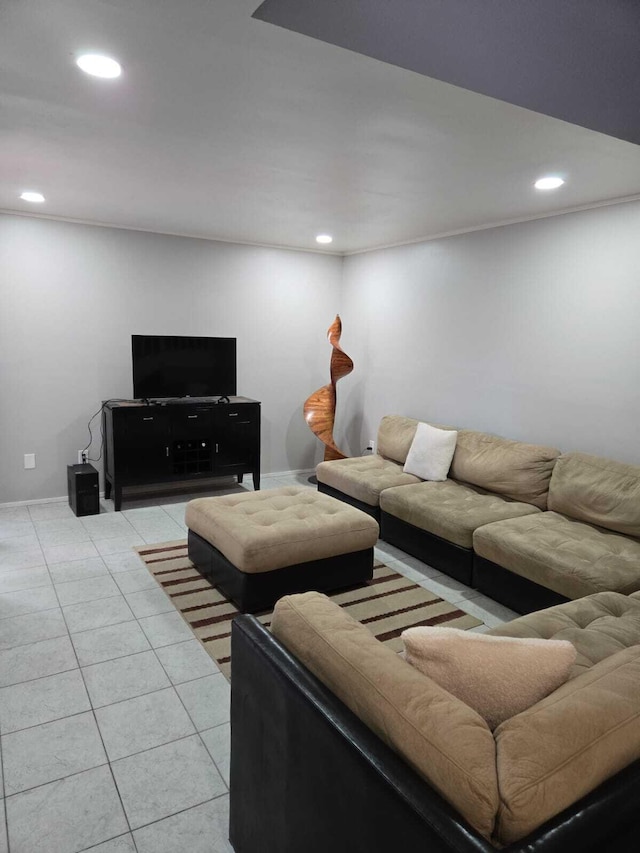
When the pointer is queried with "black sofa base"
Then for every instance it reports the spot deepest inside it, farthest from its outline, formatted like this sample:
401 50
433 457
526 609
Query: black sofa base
307 776
451 559
373 511
260 591
512 590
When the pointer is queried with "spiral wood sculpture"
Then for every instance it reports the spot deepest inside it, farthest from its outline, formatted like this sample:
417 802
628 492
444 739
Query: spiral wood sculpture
320 407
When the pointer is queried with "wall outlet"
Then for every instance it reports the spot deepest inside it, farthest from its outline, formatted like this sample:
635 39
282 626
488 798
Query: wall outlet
80 455
372 444
29 460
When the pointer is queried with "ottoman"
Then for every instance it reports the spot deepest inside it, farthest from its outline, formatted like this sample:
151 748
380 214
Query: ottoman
258 546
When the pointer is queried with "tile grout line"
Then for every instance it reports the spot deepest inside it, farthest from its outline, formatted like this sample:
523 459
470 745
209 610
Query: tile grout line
215 763
6 619
4 796
181 811
198 732
107 840
53 584
69 636
177 692
147 692
60 778
424 582
36 725
38 677
153 822
157 746
92 709
108 762
132 654
126 817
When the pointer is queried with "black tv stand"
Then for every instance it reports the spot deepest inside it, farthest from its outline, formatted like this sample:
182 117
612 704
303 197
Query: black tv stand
178 440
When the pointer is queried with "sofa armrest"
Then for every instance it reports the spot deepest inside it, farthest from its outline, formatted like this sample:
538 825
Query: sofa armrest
307 774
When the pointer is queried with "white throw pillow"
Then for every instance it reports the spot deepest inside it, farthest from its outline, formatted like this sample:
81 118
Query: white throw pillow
431 452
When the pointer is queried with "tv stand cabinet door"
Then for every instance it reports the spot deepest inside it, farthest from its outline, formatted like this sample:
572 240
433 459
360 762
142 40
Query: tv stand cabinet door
236 431
143 445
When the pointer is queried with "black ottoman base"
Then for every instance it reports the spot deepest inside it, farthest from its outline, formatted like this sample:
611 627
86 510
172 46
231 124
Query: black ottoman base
260 591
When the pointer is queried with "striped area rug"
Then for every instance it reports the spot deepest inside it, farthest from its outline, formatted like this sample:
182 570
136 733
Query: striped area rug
387 604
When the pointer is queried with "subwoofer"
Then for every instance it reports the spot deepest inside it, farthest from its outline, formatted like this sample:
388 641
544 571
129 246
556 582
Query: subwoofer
84 495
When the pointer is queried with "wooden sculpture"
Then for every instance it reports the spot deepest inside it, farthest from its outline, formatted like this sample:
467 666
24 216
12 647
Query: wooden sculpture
320 407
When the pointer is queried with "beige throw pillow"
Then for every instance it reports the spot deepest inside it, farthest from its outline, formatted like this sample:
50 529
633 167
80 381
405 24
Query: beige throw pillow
431 453
497 676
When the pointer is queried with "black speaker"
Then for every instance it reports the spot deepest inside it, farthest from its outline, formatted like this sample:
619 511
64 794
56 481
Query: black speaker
84 495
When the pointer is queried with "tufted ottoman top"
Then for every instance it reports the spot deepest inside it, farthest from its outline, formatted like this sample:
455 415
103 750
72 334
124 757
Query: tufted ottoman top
262 531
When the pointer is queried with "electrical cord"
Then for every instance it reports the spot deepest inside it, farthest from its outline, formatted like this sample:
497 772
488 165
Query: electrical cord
84 451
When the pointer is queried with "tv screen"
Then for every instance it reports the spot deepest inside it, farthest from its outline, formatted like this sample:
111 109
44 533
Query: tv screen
172 366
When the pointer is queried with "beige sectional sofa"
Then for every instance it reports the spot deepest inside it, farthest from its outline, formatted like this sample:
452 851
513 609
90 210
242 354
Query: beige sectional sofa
521 522
535 766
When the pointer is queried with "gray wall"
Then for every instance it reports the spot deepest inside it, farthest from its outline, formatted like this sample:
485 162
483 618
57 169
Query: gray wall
531 331
72 295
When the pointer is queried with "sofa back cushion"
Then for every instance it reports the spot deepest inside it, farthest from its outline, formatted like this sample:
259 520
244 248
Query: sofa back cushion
444 740
512 469
395 436
598 491
559 750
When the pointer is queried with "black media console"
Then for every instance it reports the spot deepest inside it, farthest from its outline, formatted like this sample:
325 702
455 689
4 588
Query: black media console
181 440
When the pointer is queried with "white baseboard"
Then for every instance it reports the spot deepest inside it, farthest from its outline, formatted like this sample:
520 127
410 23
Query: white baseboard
34 501
290 473
10 504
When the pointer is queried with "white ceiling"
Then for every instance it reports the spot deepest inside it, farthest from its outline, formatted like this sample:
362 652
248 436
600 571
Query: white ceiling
230 128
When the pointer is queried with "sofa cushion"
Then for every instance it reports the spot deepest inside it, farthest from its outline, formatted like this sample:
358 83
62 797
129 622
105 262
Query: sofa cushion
449 510
363 477
395 435
567 556
498 676
569 743
598 626
510 468
443 739
431 452
598 491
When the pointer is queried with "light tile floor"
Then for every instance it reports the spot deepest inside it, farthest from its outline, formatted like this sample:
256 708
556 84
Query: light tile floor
114 722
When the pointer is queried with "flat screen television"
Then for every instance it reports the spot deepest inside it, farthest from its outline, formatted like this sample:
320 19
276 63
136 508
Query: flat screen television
174 366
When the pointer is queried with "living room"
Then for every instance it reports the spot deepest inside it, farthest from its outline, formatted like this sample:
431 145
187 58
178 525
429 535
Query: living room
467 296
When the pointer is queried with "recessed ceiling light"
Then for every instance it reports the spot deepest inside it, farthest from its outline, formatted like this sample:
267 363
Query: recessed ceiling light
324 238
550 182
31 196
98 65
